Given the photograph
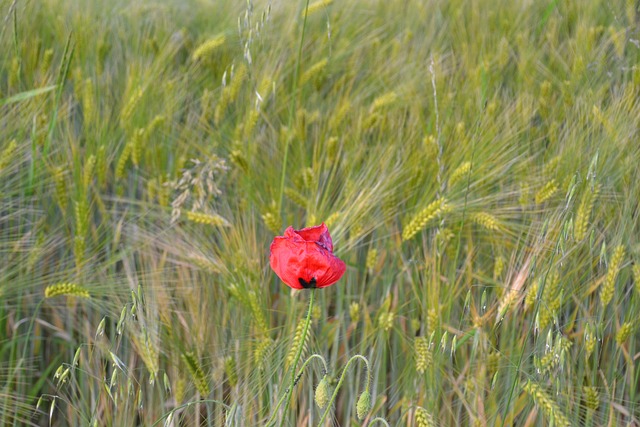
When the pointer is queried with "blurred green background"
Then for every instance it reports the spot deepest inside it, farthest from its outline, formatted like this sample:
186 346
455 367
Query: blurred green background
475 161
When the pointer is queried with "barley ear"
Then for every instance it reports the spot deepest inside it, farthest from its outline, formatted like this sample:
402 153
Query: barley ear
66 289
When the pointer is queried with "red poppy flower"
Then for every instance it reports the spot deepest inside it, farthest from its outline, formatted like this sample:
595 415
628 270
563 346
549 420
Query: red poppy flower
304 258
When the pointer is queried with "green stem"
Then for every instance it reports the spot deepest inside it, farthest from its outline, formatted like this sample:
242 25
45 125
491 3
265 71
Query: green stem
380 420
292 108
536 310
344 371
303 337
186 405
306 362
20 361
300 372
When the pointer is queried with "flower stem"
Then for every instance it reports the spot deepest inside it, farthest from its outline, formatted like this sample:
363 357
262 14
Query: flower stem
344 371
300 372
188 404
294 377
306 362
379 420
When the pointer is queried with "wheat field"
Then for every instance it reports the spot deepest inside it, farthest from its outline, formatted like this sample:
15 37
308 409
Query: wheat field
476 162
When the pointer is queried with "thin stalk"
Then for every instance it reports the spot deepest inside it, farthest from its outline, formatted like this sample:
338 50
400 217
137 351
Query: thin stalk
288 392
19 362
300 372
186 405
536 309
344 371
379 420
306 362
292 108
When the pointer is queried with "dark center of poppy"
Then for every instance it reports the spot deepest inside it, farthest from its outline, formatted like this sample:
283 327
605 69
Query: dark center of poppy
311 284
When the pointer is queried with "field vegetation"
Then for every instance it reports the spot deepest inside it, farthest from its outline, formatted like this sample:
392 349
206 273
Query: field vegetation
476 162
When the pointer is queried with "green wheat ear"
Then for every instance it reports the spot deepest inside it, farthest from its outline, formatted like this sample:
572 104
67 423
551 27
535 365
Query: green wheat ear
584 212
87 97
239 75
486 220
231 370
354 312
317 5
383 101
7 154
624 332
460 173
548 405
297 343
636 277
61 187
432 320
179 389
591 397
122 161
608 288
424 418
372 259
67 289
208 47
148 353
197 373
315 72
261 352
420 221
423 354
88 171
129 107
590 340
546 192
498 267
554 357
202 218
296 197
532 294
272 219
551 299
333 218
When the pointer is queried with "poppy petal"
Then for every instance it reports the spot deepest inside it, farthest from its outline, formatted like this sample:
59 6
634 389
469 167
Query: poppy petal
290 233
281 261
319 234
334 271
304 257
322 265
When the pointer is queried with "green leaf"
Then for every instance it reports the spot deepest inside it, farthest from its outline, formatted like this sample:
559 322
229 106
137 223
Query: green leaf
22 96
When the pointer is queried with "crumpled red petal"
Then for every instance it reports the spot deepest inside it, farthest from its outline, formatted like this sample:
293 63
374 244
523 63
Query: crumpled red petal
306 255
319 234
